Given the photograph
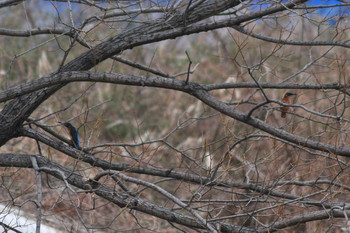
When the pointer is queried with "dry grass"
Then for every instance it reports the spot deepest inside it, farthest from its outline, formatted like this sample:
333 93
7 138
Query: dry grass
135 114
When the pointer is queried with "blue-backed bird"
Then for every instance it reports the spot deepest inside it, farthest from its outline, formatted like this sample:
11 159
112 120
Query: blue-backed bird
73 132
288 100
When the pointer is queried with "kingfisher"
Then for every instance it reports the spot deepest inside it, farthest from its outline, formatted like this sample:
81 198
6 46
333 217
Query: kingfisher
73 132
288 100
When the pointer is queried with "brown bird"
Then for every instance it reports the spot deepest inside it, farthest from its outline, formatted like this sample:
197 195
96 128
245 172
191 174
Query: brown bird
288 100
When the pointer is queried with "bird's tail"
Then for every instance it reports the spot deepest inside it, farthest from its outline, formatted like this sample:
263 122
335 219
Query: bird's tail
283 114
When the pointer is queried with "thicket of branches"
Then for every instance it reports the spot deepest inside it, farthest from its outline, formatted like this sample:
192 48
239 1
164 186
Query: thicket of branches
178 105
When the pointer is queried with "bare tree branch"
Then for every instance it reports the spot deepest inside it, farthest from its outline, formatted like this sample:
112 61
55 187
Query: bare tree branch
7 3
120 199
212 144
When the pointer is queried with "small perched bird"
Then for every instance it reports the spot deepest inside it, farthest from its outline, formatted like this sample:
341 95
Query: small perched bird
73 132
288 100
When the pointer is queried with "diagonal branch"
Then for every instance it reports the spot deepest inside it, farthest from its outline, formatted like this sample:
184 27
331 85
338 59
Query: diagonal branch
151 81
291 42
240 116
192 178
120 199
17 111
7 3
199 91
162 191
306 217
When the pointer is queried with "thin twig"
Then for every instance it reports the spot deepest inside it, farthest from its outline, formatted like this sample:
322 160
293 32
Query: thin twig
40 193
189 67
162 191
257 83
